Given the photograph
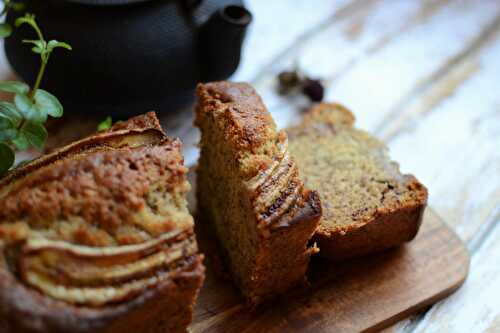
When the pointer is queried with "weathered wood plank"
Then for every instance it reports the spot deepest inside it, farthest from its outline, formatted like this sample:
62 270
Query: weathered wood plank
456 70
452 140
279 24
387 74
347 41
468 195
474 308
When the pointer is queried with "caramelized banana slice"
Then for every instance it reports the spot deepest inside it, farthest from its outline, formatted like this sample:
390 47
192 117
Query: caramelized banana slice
91 296
95 276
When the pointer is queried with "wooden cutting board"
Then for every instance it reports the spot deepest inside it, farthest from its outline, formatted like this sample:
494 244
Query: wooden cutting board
366 294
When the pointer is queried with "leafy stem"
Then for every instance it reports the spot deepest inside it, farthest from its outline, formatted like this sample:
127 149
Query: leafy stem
39 78
22 122
41 47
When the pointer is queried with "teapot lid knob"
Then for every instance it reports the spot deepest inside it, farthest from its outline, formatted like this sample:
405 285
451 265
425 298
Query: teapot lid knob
106 2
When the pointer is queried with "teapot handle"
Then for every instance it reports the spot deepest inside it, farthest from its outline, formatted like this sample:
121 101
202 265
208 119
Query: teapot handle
220 40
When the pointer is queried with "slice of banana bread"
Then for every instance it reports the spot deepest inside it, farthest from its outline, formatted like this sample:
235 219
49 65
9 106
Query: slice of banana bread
249 192
368 205
96 237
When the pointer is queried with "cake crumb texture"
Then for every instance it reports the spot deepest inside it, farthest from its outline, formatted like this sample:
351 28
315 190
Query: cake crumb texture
368 204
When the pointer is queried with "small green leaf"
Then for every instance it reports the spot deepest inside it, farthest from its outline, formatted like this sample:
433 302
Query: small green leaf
5 30
40 45
27 18
10 111
7 158
105 124
48 103
30 110
54 43
14 87
21 142
7 128
23 103
35 133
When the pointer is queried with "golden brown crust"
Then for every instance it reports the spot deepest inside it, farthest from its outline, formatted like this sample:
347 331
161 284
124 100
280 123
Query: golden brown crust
342 116
385 230
104 180
247 123
96 237
142 122
398 215
146 124
105 189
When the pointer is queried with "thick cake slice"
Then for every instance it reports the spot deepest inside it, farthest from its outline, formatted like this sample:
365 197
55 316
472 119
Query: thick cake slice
368 205
96 237
250 193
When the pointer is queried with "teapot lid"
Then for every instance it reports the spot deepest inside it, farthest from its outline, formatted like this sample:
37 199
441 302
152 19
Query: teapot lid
107 2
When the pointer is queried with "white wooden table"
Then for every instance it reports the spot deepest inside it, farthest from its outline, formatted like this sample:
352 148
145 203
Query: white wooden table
422 75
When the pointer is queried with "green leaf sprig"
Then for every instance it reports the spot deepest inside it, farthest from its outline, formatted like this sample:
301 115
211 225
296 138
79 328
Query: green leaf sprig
6 28
105 124
22 122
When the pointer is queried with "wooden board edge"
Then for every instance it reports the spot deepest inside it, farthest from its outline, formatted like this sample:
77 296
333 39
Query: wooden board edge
415 309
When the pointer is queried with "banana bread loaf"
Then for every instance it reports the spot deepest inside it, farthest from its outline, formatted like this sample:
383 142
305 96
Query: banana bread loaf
249 192
368 205
96 237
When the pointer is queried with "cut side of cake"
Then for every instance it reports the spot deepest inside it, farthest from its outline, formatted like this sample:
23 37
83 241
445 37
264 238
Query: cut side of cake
96 236
368 205
250 194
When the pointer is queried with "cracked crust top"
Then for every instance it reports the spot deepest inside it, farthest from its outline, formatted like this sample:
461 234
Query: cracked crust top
247 123
98 191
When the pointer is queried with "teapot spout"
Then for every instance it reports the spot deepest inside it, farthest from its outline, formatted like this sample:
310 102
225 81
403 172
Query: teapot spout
220 41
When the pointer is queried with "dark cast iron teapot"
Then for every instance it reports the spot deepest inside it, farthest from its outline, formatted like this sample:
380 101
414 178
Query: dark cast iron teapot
131 56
